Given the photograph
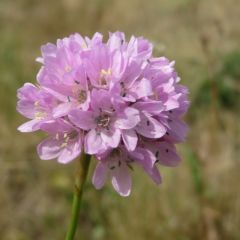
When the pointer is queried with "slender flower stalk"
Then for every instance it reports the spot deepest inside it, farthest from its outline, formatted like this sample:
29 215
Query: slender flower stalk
83 166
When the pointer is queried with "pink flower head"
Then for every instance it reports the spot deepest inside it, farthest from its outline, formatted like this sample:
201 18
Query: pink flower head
112 100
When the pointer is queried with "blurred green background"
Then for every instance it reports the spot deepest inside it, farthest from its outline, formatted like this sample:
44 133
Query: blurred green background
198 200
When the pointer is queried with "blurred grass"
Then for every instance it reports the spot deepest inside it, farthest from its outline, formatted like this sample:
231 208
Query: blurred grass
199 199
196 171
227 83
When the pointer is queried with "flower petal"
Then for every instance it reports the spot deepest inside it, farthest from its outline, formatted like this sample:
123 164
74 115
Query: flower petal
62 109
155 175
26 108
177 130
49 149
100 99
130 139
164 153
111 138
94 143
30 126
153 107
99 176
121 180
82 119
150 127
70 152
167 154
128 119
141 88
56 126
148 163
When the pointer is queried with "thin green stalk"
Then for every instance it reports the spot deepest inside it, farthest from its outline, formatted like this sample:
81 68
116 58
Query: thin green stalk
81 176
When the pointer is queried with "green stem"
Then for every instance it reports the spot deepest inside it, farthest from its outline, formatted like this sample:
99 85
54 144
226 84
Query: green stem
77 197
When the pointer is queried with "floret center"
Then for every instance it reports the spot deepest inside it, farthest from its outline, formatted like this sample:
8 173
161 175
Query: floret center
67 137
103 120
82 96
79 94
103 75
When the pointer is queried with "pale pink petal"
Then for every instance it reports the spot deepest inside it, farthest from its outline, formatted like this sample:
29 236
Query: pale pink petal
130 139
61 97
62 109
82 119
150 127
164 152
177 130
30 126
155 175
142 88
100 99
49 149
111 137
26 108
153 107
121 180
94 143
99 176
56 125
70 152
128 119
148 163
167 154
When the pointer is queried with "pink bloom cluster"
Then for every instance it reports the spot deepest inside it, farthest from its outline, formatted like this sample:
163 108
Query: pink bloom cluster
113 100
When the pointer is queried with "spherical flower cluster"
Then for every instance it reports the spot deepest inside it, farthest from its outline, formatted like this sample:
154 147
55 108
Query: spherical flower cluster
112 100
